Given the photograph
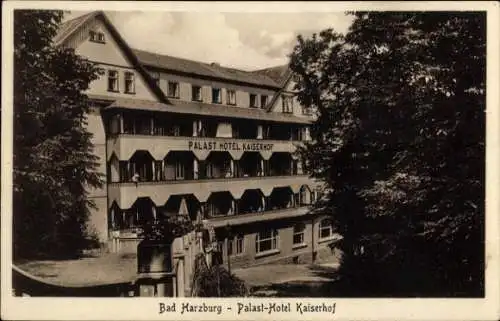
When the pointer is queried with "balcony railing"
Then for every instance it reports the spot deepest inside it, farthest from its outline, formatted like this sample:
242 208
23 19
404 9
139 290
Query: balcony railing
124 146
125 194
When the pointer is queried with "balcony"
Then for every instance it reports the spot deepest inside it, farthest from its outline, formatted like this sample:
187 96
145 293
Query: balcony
239 219
124 146
125 194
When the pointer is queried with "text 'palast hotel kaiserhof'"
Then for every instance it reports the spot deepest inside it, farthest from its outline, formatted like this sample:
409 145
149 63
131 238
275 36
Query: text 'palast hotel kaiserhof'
176 136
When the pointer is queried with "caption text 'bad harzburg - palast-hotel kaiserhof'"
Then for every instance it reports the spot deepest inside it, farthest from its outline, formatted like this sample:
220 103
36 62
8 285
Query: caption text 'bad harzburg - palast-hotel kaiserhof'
176 136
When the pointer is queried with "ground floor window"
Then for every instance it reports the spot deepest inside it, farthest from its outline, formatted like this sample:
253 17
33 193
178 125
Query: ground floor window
325 228
266 240
236 245
298 233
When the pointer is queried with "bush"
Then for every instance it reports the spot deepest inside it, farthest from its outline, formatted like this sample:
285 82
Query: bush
215 281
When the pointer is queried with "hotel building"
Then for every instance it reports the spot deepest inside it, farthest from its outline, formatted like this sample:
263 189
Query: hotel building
176 136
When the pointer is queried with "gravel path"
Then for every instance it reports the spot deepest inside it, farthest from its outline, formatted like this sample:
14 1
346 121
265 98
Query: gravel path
106 269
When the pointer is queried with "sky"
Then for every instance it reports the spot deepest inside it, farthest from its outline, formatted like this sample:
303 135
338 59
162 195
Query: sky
242 40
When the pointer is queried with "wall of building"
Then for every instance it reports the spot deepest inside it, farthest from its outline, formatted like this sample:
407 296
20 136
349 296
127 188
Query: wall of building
98 216
108 56
297 107
185 94
288 252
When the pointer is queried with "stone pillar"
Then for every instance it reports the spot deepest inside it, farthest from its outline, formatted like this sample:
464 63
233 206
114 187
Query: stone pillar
195 128
195 168
262 167
162 170
120 116
180 278
259 132
231 167
153 168
152 125
233 207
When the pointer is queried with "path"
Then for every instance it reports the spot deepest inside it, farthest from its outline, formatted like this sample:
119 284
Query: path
289 280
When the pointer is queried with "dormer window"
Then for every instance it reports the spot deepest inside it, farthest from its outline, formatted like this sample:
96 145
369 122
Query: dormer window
97 37
253 100
129 83
216 96
263 101
173 89
196 93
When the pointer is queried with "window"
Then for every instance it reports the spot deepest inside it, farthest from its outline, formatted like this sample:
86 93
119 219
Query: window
173 89
266 240
113 80
313 196
216 96
124 171
298 233
196 93
304 196
100 37
129 83
236 245
305 133
253 100
263 101
158 170
287 104
325 228
179 170
231 97
96 37
176 131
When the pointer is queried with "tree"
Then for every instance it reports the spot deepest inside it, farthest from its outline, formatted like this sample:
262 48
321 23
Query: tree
400 143
53 163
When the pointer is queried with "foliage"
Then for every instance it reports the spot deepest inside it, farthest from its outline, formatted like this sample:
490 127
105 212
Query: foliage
215 281
167 228
400 142
54 166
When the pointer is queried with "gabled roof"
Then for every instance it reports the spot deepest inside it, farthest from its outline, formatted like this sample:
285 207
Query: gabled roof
67 28
197 68
70 27
275 78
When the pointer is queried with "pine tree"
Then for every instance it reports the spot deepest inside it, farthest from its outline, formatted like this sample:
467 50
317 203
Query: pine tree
400 143
53 163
